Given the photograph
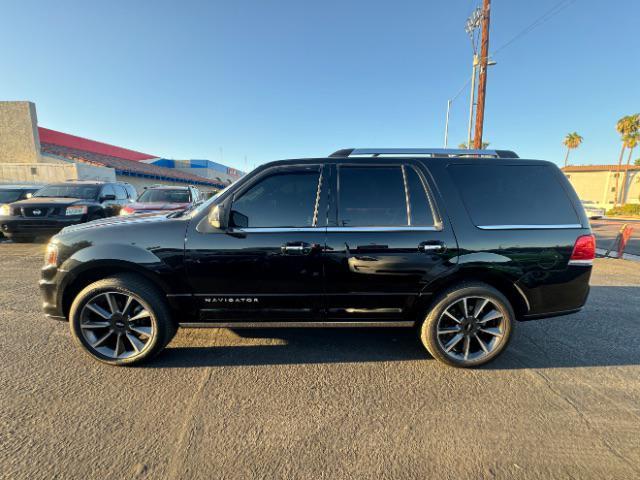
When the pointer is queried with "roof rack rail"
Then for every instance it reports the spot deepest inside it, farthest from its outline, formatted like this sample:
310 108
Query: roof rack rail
433 152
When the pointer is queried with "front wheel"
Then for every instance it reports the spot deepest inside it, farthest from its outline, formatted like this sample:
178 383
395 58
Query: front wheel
468 326
121 320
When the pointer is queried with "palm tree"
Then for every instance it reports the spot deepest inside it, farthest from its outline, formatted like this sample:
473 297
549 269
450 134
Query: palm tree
571 141
631 141
626 126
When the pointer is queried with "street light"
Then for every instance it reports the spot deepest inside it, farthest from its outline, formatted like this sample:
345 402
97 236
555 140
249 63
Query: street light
450 102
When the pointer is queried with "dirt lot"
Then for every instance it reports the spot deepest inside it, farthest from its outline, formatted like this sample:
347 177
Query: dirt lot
562 402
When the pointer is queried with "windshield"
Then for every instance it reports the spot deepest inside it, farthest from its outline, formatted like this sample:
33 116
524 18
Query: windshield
87 192
8 196
164 195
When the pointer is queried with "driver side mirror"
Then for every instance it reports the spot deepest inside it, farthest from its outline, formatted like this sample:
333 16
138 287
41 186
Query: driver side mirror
107 198
239 220
217 217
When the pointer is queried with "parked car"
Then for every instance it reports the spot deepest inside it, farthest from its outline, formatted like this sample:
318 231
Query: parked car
13 193
458 243
61 204
592 210
164 199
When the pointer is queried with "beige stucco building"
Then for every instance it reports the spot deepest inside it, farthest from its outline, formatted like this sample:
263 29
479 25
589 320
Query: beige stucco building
597 183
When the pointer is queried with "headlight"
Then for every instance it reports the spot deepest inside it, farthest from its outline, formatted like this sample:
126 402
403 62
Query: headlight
126 211
51 254
79 210
5 210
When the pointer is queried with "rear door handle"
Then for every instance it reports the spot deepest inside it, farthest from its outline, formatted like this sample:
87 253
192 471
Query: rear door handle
432 246
298 248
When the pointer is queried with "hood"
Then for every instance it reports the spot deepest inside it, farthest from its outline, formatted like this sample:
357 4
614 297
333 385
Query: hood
116 221
141 206
49 201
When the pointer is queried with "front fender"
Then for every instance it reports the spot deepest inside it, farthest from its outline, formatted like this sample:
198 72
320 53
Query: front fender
122 252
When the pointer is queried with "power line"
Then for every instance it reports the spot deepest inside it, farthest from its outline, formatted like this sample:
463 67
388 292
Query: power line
461 89
552 12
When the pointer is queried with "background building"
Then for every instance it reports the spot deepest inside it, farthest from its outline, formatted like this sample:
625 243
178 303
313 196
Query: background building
202 168
597 183
33 154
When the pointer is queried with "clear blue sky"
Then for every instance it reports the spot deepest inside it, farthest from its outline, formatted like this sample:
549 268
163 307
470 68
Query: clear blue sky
279 79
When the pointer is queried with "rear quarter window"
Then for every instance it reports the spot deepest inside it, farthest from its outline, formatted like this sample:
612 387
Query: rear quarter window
502 195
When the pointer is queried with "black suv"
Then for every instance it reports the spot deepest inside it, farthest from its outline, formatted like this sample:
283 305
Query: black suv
458 243
61 204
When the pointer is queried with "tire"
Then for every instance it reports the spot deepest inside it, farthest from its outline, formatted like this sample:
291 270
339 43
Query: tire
23 238
94 216
473 339
115 330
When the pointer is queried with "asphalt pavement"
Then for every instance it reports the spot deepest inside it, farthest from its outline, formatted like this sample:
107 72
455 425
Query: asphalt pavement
562 402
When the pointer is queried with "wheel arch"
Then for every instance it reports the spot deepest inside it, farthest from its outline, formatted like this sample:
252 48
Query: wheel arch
500 282
91 272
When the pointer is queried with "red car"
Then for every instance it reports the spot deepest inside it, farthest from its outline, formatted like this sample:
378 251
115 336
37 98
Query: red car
163 199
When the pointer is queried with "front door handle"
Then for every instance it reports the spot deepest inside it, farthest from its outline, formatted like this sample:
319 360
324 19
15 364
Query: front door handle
432 246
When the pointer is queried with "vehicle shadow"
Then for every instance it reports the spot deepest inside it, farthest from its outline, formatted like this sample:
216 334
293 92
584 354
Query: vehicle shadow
300 346
605 333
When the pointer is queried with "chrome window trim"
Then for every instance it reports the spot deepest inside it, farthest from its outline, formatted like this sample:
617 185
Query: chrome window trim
277 229
530 227
314 221
385 229
407 200
336 229
435 214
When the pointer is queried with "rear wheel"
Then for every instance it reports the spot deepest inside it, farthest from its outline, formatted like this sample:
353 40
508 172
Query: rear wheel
121 320
469 325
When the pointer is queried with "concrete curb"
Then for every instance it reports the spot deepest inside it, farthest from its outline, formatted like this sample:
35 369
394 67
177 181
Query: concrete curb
612 254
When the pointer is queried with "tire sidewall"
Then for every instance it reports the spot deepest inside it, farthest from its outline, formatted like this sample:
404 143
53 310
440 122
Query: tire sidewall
429 328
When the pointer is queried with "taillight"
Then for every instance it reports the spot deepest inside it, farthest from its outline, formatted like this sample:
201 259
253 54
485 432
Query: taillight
584 251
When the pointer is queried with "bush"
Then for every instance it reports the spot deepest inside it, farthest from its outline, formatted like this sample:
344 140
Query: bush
628 210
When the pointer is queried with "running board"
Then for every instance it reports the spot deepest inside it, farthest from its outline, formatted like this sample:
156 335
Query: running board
337 324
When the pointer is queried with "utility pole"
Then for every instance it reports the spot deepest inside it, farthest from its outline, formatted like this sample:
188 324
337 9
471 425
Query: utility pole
482 85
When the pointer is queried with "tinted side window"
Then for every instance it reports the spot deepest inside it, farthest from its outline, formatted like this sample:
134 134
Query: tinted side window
107 190
513 195
421 214
120 192
371 197
286 199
